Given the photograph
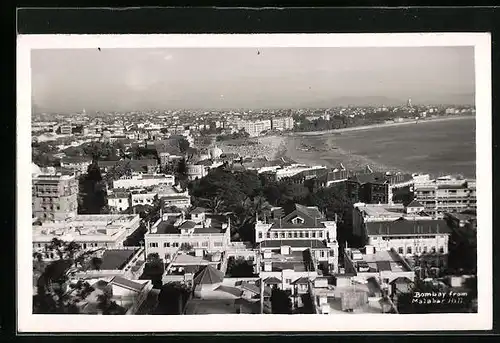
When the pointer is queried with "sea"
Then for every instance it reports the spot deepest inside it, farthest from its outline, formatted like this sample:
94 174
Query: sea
436 148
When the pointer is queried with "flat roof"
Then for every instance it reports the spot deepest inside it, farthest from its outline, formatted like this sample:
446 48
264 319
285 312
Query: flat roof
379 210
113 259
382 261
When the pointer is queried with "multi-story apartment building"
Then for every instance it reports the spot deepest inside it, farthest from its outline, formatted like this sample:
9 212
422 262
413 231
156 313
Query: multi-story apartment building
54 195
303 228
205 234
282 123
446 194
408 230
254 127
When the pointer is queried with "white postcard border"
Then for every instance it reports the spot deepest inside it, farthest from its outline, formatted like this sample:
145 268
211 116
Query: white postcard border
28 322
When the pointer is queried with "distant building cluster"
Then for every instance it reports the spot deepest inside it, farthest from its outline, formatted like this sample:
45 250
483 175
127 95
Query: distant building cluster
299 251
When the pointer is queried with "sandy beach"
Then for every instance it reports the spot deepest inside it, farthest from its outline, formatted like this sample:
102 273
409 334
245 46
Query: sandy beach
384 125
270 147
445 147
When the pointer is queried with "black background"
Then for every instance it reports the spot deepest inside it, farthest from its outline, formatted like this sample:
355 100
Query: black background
220 20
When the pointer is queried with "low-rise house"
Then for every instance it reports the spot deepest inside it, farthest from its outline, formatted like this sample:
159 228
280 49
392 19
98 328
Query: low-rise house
143 180
79 164
127 262
167 235
147 166
119 200
385 266
89 231
124 296
172 196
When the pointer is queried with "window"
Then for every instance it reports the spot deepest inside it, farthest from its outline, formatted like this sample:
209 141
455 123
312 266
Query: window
165 244
313 234
120 201
306 234
408 250
195 244
275 235
289 235
295 234
260 234
320 234
441 250
217 244
322 253
268 235
425 249
400 250
288 280
282 235
175 245
301 234
151 245
204 244
433 250
58 207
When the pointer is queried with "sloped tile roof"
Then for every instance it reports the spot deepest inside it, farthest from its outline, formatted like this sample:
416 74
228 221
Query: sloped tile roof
403 227
208 276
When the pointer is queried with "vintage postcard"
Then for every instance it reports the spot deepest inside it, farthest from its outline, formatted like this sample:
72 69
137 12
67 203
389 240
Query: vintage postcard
311 182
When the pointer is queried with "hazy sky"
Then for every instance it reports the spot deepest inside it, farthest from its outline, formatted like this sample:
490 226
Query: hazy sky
128 79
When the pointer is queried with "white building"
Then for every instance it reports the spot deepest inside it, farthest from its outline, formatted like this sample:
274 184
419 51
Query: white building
302 229
173 196
446 194
78 164
209 235
144 180
295 169
407 230
89 231
282 123
142 197
196 171
254 127
119 201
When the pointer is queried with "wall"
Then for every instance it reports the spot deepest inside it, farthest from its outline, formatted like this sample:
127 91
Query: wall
121 204
411 242
131 183
209 242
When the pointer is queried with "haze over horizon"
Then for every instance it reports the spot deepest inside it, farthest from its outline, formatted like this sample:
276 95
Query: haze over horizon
219 78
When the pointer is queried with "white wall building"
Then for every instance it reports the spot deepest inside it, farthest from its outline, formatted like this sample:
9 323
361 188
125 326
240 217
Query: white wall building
405 229
446 194
89 231
144 180
166 236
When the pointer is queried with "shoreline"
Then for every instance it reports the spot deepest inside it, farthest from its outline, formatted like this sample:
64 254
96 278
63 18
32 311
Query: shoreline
383 125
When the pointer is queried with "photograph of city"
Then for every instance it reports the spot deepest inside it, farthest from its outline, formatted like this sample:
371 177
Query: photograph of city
193 181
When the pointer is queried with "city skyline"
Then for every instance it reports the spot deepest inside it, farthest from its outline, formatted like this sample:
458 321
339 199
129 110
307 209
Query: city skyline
222 78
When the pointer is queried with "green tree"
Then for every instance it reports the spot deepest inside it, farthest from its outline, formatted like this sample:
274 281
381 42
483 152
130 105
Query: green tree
172 298
154 269
96 263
